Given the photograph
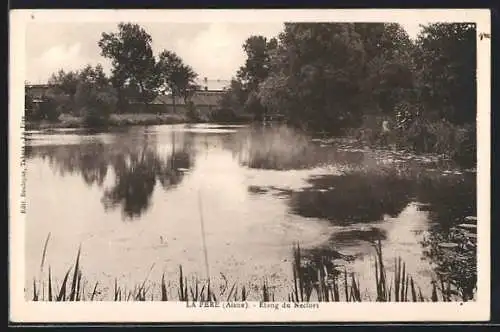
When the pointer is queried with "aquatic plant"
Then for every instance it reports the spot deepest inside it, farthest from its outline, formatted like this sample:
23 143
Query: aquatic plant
326 283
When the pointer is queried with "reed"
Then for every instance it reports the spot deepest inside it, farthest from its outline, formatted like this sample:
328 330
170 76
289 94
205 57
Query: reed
322 285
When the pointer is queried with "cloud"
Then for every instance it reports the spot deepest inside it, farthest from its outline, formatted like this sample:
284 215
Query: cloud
58 55
66 57
214 50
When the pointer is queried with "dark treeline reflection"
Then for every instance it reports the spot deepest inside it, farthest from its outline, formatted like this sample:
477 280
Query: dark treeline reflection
364 197
451 248
352 198
137 165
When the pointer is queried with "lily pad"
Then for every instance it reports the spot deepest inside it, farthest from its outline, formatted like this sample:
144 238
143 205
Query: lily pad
468 226
448 245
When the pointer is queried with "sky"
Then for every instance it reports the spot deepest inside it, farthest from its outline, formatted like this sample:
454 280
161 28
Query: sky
214 50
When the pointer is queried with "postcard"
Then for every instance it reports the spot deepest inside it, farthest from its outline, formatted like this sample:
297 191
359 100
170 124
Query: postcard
249 165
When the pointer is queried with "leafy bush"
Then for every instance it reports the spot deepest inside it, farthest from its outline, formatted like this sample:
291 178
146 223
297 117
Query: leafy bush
48 109
466 153
224 115
192 112
95 105
422 135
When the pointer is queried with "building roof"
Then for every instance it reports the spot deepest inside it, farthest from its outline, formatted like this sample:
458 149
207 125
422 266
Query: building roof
213 84
200 97
44 85
205 98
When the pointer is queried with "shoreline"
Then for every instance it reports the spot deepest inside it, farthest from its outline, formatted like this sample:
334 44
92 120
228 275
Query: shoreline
116 120
122 120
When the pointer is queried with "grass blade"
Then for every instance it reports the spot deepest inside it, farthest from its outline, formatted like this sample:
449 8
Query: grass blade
35 293
181 285
50 285
163 288
44 253
346 286
62 290
116 290
243 294
78 285
75 276
434 297
406 287
231 292
94 291
413 292
336 294
421 297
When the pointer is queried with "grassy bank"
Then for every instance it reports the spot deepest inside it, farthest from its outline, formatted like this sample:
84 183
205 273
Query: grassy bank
133 119
310 283
115 120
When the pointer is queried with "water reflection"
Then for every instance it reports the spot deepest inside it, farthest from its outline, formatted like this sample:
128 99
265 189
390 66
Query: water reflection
352 198
450 244
453 254
370 234
283 148
345 196
135 167
448 199
360 202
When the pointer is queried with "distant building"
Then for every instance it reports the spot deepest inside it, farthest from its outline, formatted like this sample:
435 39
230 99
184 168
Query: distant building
206 99
37 91
213 84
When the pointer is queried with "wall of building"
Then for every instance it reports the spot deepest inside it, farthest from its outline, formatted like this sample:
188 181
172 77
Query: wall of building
37 91
205 102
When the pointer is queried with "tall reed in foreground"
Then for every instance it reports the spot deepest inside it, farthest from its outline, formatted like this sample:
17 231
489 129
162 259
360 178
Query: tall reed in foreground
317 284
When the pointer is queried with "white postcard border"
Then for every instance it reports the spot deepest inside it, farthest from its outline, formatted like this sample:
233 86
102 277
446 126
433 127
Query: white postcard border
23 311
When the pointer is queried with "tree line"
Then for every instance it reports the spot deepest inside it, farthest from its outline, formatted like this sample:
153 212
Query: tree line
337 78
333 77
137 77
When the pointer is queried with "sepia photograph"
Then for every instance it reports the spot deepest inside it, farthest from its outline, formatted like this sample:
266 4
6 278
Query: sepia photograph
249 165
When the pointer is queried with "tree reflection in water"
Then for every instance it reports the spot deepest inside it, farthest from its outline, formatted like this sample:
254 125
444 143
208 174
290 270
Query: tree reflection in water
352 197
137 166
135 179
365 197
451 248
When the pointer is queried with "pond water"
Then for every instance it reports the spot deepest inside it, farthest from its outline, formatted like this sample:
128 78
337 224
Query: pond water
143 200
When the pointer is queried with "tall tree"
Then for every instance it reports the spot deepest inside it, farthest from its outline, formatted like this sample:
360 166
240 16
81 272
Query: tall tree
244 89
446 64
257 64
175 76
388 69
235 96
64 83
134 65
94 75
317 69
